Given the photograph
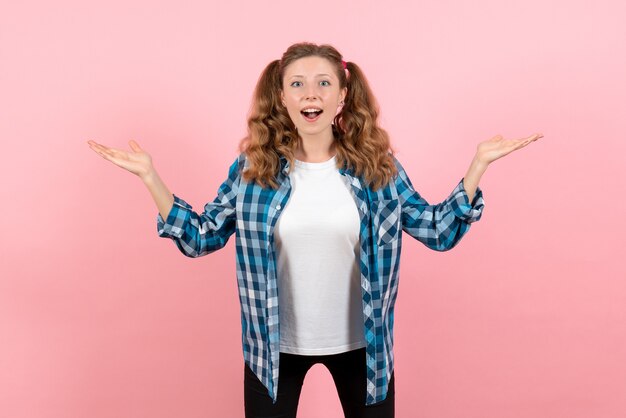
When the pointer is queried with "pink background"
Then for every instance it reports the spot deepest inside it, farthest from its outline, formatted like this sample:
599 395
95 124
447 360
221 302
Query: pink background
99 317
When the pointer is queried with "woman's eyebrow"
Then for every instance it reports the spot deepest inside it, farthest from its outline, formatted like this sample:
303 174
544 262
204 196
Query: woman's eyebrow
298 75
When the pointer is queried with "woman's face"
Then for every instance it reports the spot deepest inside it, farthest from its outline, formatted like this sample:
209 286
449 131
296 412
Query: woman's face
311 83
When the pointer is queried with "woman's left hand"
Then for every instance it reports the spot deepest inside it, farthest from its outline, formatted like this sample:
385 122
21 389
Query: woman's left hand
497 147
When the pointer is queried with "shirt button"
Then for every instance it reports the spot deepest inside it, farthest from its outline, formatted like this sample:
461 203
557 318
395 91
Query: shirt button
278 207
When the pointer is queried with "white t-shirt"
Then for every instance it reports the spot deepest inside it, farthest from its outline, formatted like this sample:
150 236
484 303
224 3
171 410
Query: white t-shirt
317 247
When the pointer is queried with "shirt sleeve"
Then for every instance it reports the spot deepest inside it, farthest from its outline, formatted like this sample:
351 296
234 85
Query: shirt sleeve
441 226
196 234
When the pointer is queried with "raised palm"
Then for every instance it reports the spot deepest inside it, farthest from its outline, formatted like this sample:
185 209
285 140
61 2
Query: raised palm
137 161
497 147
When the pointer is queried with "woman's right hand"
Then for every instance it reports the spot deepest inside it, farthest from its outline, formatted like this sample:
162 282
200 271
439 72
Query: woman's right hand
136 161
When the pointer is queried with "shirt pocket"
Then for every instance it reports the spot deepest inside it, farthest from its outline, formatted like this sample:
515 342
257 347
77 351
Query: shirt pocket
386 221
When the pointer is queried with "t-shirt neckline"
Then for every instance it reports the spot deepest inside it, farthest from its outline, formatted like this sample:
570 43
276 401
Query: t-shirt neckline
316 166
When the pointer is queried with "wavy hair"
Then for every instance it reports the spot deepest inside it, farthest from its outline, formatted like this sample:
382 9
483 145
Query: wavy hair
361 144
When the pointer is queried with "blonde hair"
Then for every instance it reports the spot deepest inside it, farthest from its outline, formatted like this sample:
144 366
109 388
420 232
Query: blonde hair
361 144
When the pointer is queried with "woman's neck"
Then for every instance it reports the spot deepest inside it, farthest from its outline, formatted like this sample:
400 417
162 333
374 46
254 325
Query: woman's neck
314 150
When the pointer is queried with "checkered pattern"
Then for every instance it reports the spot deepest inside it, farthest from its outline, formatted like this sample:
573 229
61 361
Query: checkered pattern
251 213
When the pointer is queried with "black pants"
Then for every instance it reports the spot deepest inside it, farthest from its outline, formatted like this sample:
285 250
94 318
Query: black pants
348 372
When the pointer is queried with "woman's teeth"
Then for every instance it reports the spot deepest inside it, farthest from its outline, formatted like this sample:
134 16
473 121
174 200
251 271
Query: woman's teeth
311 114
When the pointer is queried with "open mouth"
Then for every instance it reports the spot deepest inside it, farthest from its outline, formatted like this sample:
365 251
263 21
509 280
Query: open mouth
311 114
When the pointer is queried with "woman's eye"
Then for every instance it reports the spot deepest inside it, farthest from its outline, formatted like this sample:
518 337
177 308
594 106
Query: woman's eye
299 82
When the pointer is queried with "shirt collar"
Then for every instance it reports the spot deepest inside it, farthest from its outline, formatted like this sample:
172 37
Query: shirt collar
285 167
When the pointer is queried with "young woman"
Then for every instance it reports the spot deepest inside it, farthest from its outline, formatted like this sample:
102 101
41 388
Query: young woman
318 202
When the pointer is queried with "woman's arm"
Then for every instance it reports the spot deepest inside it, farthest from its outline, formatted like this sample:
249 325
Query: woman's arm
139 162
475 171
160 193
489 151
194 234
198 234
439 226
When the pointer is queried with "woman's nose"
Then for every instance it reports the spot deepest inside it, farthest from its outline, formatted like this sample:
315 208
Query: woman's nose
311 92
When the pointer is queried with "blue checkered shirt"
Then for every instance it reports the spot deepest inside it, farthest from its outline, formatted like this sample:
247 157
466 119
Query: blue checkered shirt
251 212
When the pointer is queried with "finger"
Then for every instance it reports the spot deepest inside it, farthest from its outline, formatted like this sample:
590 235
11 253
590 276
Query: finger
134 145
514 144
98 146
113 159
527 140
111 154
111 151
102 154
119 153
93 144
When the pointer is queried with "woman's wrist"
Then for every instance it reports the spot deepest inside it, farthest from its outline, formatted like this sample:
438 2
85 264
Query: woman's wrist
150 177
479 163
